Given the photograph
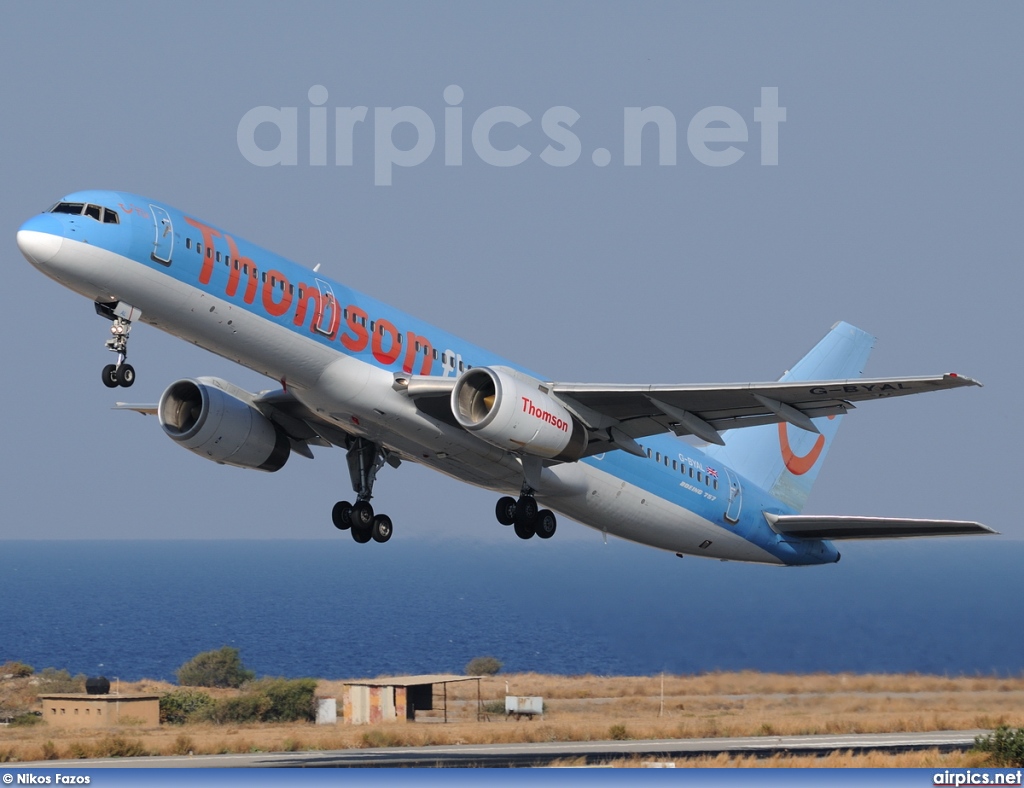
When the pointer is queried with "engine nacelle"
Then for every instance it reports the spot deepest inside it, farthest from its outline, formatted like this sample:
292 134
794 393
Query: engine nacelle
509 410
213 419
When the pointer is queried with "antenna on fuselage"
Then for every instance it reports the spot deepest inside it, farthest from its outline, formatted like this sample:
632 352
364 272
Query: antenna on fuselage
316 268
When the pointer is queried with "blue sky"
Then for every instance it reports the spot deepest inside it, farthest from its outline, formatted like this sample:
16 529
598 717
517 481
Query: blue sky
895 205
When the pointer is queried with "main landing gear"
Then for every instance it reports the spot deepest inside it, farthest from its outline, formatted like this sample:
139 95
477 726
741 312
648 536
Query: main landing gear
525 516
365 458
119 374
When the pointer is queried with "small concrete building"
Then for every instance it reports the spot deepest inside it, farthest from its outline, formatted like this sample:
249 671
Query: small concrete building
397 699
81 710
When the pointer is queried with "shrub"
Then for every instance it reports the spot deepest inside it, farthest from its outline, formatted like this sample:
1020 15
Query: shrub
244 708
183 705
183 745
483 666
494 707
221 668
18 670
50 752
266 700
377 738
1006 746
291 700
52 680
119 747
26 720
618 733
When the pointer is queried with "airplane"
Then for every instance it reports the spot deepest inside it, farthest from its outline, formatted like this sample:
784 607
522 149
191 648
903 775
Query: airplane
388 388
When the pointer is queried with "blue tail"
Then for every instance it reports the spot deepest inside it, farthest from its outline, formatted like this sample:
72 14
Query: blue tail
785 460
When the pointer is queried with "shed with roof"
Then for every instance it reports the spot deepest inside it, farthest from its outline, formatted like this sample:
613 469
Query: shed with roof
398 698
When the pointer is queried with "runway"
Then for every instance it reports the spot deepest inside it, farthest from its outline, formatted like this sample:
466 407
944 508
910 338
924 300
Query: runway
541 754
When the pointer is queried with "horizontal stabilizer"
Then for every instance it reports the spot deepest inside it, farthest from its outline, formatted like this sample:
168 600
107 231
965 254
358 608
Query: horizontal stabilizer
828 527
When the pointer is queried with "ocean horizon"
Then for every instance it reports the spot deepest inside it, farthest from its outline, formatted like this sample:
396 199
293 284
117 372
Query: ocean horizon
333 609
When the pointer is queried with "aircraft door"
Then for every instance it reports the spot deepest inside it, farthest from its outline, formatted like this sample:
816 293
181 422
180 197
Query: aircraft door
163 243
735 504
328 316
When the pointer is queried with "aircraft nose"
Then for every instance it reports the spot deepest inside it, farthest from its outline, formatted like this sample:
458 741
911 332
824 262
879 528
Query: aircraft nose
40 238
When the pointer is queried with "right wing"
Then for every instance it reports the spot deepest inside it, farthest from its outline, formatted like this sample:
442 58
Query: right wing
303 427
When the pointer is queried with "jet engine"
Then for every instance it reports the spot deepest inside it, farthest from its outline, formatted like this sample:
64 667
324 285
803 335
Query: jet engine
511 411
218 421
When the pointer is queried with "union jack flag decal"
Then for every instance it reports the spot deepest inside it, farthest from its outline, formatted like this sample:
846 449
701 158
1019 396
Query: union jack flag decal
712 473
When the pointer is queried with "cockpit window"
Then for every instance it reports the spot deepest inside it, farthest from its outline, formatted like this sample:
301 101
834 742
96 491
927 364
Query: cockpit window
97 212
68 207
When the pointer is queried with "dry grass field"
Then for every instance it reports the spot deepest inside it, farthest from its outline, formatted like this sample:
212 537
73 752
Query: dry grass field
592 708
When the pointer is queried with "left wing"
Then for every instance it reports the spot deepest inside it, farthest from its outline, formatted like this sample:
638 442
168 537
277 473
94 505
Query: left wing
705 411
616 415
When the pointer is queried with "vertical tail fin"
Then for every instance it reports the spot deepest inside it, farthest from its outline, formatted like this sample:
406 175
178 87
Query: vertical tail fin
785 460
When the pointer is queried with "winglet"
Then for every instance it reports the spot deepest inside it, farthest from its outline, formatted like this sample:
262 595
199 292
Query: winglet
949 377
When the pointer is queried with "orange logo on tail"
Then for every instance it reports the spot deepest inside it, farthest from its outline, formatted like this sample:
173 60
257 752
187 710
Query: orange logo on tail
796 464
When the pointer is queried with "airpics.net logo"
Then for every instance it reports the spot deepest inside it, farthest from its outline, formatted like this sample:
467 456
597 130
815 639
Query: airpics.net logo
715 136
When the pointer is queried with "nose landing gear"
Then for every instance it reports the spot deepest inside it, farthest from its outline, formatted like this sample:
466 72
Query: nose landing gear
120 314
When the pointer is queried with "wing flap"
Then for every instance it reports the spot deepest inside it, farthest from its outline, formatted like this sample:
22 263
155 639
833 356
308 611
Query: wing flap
830 527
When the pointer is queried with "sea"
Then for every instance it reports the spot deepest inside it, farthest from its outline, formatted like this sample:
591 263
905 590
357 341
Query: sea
334 609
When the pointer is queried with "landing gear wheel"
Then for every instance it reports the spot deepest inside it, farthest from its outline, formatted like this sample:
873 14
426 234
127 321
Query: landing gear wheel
341 515
110 376
361 535
505 511
546 524
526 511
523 530
361 516
382 528
125 375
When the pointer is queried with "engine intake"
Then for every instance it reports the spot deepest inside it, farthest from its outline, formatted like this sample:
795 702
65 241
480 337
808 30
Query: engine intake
509 410
212 418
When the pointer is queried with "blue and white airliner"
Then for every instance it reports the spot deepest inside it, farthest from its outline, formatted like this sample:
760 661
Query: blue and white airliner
353 372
